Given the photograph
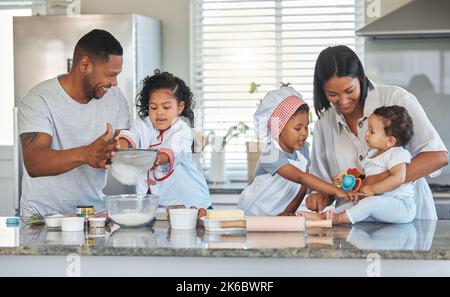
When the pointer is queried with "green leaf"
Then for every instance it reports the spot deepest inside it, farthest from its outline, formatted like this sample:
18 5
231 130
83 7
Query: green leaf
234 131
254 87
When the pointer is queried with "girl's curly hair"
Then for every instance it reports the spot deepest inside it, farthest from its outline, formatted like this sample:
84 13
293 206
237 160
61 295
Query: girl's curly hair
166 80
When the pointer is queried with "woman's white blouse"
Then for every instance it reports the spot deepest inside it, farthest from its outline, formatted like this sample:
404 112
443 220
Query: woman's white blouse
335 148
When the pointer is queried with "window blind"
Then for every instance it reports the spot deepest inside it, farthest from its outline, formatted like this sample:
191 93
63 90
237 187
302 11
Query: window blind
37 6
268 42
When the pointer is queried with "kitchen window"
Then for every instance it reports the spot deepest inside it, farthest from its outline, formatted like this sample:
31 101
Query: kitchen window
268 42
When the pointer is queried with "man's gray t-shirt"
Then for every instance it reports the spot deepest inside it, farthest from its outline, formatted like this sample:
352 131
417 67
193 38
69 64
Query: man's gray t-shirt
48 108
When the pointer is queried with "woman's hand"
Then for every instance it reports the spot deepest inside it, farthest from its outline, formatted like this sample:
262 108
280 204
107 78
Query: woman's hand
373 179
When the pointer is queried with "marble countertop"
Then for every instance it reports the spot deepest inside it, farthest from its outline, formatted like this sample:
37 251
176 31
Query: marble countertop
420 240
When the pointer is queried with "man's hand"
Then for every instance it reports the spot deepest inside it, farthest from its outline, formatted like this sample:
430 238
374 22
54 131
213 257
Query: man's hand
99 152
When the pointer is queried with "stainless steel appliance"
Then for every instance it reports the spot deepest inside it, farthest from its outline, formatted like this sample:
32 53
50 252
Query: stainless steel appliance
43 48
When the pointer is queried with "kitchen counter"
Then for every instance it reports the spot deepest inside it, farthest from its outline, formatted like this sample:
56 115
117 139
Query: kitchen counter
418 248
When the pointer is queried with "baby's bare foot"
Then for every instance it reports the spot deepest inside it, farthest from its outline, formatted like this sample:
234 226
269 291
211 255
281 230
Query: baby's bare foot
315 216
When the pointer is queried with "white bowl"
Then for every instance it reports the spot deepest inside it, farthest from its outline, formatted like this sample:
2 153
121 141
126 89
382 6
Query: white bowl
183 218
54 220
72 224
132 210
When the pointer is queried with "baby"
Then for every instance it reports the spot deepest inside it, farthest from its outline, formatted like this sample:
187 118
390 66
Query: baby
390 200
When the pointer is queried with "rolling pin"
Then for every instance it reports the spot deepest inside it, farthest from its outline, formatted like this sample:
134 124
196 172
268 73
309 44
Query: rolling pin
266 223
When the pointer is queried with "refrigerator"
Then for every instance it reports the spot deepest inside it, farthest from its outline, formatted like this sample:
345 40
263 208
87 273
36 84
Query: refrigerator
43 49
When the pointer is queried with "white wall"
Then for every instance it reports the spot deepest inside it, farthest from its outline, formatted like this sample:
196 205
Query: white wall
174 15
6 181
6 110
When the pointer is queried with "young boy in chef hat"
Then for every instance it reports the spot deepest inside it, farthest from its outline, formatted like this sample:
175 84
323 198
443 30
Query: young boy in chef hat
281 176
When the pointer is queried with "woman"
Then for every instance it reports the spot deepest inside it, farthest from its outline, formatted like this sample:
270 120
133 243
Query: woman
343 99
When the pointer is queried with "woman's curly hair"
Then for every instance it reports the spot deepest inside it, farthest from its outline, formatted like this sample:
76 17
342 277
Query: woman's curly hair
166 80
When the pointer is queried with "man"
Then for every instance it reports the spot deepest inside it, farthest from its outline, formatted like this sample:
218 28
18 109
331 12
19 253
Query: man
66 129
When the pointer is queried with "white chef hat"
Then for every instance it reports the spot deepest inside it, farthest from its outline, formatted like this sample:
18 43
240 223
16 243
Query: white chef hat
275 110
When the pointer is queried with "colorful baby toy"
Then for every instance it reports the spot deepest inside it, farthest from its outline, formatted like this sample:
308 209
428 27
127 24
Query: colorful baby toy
350 180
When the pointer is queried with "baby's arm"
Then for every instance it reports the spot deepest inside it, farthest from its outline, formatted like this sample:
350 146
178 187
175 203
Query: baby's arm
396 178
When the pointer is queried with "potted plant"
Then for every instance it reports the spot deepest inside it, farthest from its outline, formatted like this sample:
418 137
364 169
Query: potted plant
255 147
200 142
217 172
254 150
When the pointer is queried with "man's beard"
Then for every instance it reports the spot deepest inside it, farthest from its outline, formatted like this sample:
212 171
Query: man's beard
88 90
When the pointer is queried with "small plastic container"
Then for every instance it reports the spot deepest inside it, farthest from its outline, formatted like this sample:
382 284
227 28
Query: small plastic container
183 218
85 211
12 222
54 220
97 222
72 224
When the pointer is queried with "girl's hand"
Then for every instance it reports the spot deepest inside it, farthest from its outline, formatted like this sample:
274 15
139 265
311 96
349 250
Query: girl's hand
342 194
286 214
352 197
367 190
157 161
